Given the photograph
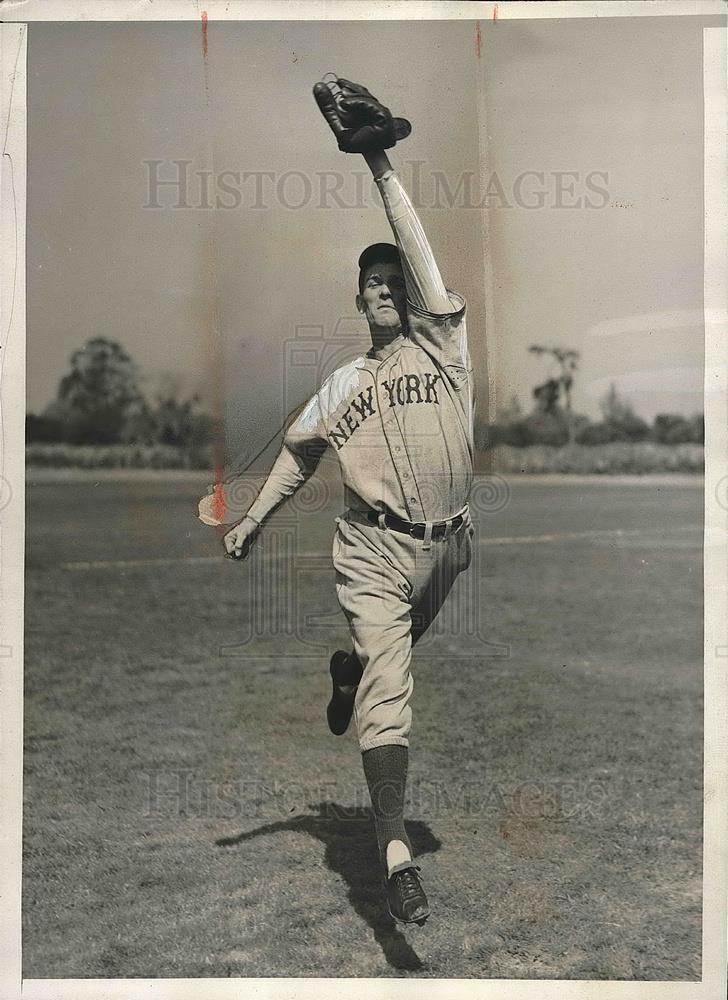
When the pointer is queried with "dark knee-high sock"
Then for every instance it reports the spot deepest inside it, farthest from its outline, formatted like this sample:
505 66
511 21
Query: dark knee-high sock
385 769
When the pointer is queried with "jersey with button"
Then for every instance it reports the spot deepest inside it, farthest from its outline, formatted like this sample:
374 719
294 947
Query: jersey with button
400 420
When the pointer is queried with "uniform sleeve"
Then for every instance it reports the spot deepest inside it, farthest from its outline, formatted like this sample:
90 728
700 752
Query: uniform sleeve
424 283
303 445
444 337
436 316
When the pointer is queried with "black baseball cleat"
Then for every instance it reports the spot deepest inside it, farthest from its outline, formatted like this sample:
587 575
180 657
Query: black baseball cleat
339 710
406 898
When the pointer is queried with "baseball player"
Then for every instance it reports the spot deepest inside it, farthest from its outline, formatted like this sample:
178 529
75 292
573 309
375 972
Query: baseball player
400 421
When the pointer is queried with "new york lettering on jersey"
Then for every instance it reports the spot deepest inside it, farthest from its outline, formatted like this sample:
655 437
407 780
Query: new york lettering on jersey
402 390
400 420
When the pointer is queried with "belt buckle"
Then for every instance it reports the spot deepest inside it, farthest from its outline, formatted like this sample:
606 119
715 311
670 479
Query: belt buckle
411 530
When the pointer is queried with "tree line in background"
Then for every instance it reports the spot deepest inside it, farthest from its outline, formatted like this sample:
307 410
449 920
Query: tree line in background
99 402
553 422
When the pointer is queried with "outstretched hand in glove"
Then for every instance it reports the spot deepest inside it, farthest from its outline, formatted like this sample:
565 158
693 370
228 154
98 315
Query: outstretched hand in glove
360 122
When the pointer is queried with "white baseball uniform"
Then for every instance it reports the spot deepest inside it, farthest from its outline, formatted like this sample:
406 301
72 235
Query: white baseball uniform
400 421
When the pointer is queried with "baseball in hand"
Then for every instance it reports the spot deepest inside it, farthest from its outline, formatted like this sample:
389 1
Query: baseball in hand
208 510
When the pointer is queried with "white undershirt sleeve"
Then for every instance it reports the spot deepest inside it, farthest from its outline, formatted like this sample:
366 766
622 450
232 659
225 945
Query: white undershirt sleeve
289 472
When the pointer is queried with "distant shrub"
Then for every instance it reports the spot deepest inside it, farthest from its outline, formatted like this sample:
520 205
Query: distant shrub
515 434
537 428
620 424
608 431
545 428
630 428
671 428
42 428
594 434
619 420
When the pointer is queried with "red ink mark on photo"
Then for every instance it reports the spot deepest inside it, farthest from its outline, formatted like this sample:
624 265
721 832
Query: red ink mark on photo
204 33
218 502
477 38
218 492
495 11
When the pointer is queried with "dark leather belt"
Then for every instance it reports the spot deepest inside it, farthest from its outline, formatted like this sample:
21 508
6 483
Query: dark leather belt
415 529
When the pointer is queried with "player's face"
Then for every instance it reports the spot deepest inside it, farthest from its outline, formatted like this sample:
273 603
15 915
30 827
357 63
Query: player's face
383 298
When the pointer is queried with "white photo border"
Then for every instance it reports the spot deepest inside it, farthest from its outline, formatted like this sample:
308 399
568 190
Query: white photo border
13 52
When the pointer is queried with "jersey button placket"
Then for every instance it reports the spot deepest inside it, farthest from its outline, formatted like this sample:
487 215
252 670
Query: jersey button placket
387 416
393 437
407 479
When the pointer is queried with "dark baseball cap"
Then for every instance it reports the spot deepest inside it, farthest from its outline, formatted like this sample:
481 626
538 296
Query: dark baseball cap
378 253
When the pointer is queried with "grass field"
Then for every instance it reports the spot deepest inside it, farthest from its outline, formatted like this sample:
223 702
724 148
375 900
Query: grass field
189 814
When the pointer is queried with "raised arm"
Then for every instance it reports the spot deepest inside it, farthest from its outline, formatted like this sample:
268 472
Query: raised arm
436 317
425 287
362 124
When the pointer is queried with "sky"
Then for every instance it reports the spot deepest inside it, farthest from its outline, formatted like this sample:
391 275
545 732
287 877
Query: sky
568 154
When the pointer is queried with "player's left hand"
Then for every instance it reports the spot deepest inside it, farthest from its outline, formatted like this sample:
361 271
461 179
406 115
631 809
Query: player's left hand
360 122
240 539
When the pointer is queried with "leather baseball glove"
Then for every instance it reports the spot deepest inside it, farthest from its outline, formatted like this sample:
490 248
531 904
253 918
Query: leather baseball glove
359 121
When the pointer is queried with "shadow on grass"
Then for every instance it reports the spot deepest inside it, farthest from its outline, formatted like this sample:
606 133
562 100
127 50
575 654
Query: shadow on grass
351 852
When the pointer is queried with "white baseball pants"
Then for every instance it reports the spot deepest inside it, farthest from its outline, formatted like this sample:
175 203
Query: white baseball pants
391 587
